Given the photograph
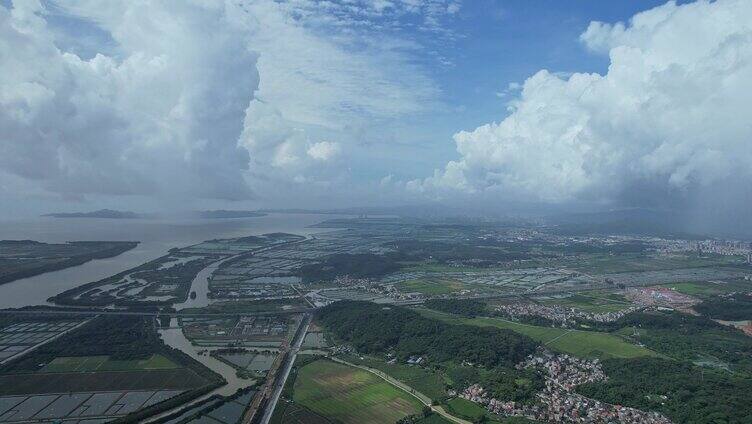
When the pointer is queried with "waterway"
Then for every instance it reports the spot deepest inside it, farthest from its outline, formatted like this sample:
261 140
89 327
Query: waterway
156 237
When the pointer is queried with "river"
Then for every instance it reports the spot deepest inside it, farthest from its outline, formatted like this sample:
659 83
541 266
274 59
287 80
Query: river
156 237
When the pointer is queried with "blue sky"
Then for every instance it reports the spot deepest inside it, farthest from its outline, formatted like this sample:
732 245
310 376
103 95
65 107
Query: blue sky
496 43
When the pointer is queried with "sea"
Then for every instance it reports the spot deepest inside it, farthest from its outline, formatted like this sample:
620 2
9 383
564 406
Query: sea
156 237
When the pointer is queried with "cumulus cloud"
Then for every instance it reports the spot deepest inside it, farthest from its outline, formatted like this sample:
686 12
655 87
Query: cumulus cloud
160 113
200 99
669 118
324 150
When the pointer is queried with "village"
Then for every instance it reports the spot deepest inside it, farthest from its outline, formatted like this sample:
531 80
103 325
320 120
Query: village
558 401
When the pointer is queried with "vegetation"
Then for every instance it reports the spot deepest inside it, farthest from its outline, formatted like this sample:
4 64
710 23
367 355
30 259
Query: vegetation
592 344
688 337
119 338
684 393
372 328
735 307
424 380
465 307
356 266
26 258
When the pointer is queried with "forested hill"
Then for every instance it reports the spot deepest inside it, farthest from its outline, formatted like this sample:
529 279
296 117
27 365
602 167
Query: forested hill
373 328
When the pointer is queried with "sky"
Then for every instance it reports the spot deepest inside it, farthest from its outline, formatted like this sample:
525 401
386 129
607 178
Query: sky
203 104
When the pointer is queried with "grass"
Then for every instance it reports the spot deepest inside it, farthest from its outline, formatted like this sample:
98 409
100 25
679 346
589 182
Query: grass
589 344
430 286
66 364
420 379
465 409
350 395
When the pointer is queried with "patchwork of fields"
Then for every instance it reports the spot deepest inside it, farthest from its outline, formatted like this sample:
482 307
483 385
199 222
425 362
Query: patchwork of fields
86 406
351 395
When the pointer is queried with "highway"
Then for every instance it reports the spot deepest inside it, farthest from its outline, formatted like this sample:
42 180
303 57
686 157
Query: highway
282 378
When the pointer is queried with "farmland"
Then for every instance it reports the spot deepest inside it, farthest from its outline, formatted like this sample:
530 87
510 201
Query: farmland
422 380
350 395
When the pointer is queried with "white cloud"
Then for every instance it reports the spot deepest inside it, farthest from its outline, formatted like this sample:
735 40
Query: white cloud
161 114
202 98
670 115
324 150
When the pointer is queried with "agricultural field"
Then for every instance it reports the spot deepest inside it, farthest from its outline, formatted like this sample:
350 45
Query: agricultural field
75 406
293 413
420 379
350 395
21 335
105 363
575 342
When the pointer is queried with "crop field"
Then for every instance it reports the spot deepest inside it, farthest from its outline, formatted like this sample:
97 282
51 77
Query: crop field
104 363
575 342
292 413
420 379
30 383
350 395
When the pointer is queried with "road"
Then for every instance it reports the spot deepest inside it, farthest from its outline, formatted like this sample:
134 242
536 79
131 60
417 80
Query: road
282 378
425 400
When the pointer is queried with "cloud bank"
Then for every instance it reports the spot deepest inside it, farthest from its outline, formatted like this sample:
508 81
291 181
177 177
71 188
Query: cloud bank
201 99
670 119
149 117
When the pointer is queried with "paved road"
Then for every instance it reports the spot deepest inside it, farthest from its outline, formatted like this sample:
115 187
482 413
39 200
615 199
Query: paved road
280 383
425 400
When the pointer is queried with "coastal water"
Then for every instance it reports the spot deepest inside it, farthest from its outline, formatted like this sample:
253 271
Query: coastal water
156 237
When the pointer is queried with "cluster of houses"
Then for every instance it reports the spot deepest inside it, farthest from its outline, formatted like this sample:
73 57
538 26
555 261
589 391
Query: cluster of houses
557 401
560 314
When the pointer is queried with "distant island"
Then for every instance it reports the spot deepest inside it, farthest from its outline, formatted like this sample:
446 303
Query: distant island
220 214
115 214
102 213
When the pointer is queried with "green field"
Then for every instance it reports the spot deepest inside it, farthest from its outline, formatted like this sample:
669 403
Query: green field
104 363
351 395
288 412
576 342
465 409
420 379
